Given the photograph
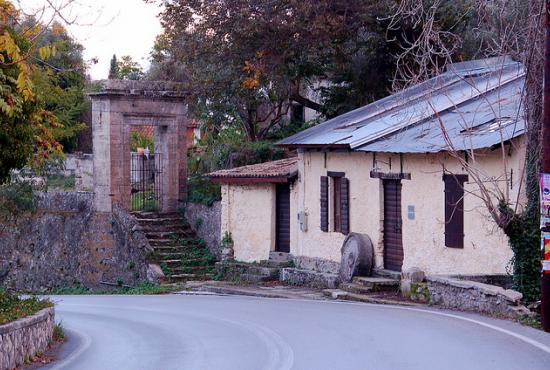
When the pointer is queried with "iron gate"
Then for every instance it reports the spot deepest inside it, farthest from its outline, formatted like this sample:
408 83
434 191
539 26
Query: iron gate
146 181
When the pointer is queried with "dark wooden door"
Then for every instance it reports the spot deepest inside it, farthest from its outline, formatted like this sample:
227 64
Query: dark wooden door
393 237
282 242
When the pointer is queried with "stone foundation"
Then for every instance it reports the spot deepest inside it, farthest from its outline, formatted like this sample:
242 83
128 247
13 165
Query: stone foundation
66 243
206 221
25 337
474 296
316 264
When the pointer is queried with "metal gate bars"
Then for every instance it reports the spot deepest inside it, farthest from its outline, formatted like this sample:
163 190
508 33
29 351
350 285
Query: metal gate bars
146 182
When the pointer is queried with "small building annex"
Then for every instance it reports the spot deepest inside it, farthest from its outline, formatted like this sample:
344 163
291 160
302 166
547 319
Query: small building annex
398 170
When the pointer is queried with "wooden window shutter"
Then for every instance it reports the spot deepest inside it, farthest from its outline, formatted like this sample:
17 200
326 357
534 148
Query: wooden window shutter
324 203
454 210
344 205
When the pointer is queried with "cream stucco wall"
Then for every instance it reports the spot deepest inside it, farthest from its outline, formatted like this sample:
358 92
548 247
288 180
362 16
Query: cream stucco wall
248 212
485 251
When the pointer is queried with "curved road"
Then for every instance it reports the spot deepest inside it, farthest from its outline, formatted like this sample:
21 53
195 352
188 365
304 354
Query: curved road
229 332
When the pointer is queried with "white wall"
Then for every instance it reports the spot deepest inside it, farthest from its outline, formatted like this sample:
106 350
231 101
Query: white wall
248 212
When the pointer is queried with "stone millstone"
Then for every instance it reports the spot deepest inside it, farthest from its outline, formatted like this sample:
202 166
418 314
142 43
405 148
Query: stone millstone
357 257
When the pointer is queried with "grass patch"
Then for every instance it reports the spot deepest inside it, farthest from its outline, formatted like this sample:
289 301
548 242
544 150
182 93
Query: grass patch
61 182
531 321
58 333
12 307
143 288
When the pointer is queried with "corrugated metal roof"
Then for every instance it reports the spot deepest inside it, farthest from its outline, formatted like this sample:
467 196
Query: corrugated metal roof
477 103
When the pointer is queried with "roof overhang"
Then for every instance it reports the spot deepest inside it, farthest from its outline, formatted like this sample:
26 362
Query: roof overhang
250 180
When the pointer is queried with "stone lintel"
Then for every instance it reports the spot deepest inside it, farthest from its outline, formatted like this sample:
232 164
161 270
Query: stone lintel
149 89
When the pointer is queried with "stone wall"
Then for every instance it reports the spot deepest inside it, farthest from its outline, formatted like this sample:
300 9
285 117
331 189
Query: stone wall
206 221
81 166
474 296
66 243
25 337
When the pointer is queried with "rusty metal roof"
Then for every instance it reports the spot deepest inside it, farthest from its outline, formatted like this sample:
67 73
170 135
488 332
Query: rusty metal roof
475 104
274 171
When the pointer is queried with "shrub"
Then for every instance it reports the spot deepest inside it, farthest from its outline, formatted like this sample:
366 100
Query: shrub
12 307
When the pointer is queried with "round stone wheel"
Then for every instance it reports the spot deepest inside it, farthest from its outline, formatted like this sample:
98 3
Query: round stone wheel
357 257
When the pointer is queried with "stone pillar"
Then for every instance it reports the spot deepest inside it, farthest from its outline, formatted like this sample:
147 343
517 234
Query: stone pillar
115 108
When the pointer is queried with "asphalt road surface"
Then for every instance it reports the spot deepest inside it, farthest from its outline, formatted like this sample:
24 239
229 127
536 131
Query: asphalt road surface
229 332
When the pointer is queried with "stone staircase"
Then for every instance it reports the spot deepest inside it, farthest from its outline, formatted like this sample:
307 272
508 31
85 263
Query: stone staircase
366 289
176 248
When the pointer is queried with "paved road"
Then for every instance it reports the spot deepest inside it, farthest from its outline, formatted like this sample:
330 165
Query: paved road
229 332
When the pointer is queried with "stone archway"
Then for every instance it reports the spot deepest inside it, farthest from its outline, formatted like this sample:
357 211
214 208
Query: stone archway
116 108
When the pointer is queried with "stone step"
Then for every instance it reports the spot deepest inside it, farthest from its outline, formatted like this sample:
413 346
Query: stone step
390 274
180 270
377 283
347 296
313 279
280 257
161 221
355 288
156 215
180 229
156 235
254 269
187 277
253 278
175 248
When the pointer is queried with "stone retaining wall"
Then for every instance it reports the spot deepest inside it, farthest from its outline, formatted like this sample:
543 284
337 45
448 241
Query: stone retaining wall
66 243
474 296
25 337
206 221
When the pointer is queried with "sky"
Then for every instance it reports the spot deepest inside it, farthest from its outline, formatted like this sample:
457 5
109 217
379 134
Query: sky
106 27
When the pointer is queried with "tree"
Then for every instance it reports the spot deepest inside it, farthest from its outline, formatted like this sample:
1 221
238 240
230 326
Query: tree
60 82
246 60
26 129
113 70
128 69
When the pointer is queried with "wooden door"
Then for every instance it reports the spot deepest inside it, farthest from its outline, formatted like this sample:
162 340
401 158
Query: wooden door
393 237
282 238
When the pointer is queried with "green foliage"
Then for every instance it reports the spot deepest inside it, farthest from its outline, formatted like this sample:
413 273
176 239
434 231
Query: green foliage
12 307
58 333
139 140
246 60
60 83
202 191
524 237
128 69
61 182
144 201
125 69
227 239
16 198
147 288
113 68
76 289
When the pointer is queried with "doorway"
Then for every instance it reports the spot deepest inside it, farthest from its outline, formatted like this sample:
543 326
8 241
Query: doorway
393 236
282 218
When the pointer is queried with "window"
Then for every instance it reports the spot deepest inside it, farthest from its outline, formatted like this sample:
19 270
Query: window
454 210
297 113
338 186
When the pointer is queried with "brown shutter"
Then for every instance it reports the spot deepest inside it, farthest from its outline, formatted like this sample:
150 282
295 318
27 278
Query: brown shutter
454 210
324 203
344 205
